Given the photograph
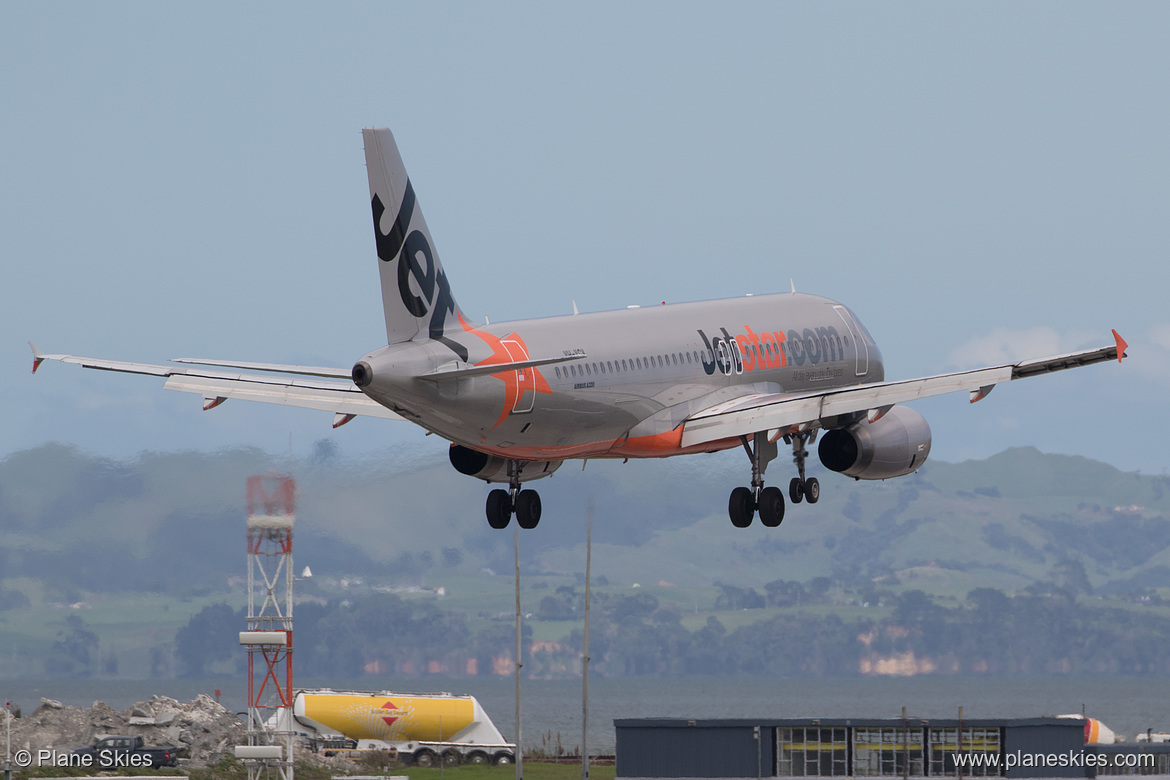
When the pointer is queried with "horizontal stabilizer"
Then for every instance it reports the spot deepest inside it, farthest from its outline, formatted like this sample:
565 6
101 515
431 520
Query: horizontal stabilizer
464 370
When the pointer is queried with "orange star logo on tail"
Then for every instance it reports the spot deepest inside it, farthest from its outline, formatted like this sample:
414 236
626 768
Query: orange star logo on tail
510 349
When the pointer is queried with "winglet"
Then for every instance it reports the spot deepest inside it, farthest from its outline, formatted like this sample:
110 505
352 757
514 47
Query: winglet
1121 346
38 357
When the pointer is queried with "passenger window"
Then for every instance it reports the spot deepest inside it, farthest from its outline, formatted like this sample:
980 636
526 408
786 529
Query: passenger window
624 366
573 369
638 362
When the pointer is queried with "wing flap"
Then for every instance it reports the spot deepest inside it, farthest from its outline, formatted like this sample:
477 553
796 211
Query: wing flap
338 400
1072 360
322 371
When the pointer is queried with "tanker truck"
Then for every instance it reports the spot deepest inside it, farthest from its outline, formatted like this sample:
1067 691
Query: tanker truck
423 728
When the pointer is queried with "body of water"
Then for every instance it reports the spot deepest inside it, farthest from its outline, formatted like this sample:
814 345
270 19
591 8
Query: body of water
1128 705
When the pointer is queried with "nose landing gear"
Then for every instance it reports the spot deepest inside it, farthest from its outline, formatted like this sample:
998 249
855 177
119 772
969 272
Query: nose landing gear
769 501
800 488
501 504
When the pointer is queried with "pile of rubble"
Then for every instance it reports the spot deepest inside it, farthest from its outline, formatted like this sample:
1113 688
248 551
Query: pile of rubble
203 729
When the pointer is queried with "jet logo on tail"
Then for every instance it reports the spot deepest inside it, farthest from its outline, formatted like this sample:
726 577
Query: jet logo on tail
428 275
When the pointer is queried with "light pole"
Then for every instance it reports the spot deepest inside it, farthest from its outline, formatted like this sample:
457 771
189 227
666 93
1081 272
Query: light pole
8 749
519 665
585 654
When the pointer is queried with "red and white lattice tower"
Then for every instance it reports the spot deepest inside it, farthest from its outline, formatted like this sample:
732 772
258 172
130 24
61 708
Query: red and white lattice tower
269 638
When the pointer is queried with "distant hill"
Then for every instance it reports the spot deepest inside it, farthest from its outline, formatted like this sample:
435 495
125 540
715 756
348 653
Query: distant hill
102 562
174 522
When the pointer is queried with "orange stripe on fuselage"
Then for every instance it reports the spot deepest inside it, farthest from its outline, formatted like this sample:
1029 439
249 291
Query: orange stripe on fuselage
663 445
658 445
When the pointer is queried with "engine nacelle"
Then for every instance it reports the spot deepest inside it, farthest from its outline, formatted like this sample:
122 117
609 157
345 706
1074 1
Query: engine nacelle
492 468
894 445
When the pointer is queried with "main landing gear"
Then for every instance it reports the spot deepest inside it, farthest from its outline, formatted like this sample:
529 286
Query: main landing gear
769 501
501 504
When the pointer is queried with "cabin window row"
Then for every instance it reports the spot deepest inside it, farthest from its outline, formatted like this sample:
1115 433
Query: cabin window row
597 368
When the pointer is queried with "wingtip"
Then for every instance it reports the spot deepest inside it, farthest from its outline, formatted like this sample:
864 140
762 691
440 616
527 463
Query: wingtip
38 357
1121 346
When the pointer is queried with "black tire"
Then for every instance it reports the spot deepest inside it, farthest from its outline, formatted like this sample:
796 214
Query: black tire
425 758
741 507
503 758
796 490
452 757
812 490
477 758
528 509
499 509
771 506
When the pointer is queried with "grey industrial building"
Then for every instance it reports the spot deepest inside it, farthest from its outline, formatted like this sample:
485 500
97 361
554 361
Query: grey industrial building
912 747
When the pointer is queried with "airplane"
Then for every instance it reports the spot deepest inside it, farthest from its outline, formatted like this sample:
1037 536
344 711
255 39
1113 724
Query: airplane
517 399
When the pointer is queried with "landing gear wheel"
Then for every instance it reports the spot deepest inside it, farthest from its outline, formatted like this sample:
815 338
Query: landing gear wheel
741 507
796 490
812 490
771 506
499 508
528 509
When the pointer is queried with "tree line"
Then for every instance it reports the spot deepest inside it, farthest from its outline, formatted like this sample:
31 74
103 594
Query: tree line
1046 630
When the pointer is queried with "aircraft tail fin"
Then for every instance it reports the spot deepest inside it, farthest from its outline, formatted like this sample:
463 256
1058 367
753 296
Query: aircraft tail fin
416 296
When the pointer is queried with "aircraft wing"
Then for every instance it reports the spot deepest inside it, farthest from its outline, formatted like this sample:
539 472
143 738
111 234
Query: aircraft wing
781 412
320 390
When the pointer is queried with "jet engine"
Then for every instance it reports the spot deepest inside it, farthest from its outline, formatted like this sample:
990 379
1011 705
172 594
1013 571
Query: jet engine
492 468
895 444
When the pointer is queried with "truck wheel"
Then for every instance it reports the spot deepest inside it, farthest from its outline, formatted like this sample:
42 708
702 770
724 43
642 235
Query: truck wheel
452 757
502 758
477 758
425 758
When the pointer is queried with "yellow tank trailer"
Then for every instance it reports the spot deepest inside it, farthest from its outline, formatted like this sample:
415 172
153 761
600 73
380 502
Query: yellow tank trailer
424 728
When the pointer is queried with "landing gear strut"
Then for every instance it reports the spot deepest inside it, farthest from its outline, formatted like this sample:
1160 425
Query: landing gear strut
800 488
744 501
769 501
501 504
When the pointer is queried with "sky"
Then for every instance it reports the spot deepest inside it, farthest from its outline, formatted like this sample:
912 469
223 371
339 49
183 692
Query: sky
979 182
